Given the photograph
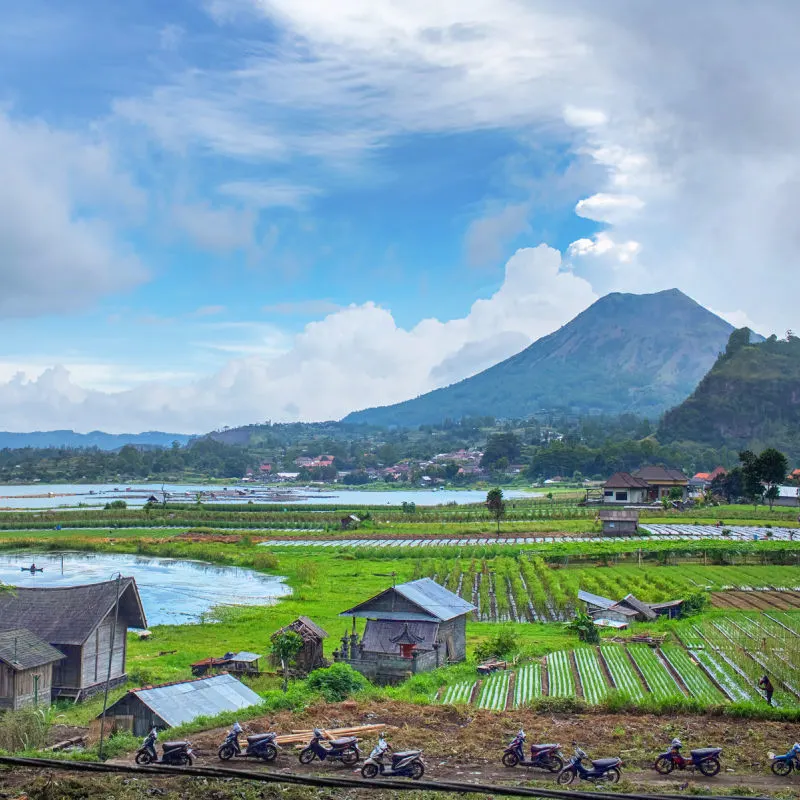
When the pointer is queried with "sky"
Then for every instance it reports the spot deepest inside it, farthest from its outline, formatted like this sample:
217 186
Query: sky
222 212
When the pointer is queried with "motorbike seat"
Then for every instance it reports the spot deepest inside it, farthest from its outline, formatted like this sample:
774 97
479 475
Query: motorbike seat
257 737
604 762
174 745
344 741
704 752
535 748
405 754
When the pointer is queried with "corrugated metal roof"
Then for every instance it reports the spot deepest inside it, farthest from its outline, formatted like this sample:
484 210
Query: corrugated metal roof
177 703
436 600
22 649
595 599
245 656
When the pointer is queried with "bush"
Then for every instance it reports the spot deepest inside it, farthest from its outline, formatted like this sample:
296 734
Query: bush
337 682
502 645
25 729
116 504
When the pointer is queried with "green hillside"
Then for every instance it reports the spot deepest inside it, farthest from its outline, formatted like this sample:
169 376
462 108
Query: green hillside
625 353
749 399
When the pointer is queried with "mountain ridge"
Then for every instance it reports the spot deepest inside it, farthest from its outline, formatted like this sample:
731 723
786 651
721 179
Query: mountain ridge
624 353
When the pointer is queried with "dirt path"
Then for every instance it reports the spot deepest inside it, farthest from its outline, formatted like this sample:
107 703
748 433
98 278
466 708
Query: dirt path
466 746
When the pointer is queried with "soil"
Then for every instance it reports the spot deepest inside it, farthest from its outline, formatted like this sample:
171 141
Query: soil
461 745
756 601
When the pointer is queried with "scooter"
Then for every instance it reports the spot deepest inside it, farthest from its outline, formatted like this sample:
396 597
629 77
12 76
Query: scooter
543 756
705 760
177 754
783 765
344 750
260 745
603 769
406 764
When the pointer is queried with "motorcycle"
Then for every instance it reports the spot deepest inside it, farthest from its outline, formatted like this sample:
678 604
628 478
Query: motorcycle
783 765
178 754
260 745
406 764
705 760
543 756
603 769
344 750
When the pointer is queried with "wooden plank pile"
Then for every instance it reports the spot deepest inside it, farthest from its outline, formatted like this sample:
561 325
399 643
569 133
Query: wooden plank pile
304 737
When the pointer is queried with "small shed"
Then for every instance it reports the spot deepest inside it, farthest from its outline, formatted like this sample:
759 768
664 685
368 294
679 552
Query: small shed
242 662
671 608
642 611
311 655
594 602
619 521
26 669
174 704
350 522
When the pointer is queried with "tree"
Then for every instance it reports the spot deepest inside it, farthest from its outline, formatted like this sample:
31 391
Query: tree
752 486
496 505
772 494
499 446
774 466
285 646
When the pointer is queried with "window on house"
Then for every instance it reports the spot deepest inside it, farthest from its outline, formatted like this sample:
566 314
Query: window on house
622 496
608 493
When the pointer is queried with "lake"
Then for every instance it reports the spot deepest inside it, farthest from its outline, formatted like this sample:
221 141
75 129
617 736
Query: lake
38 496
173 591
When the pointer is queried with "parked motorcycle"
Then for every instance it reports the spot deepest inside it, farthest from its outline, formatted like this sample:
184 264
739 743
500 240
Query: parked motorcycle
783 765
602 769
543 756
344 750
405 764
260 745
178 754
705 760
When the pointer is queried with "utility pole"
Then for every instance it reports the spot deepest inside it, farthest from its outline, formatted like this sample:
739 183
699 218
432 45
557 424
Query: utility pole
108 674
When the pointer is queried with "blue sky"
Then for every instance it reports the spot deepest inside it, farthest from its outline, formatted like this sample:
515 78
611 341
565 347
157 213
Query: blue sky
222 211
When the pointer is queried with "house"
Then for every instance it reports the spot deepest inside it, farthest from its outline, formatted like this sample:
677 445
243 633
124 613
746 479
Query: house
174 704
349 522
702 481
630 609
26 669
619 521
622 487
662 480
410 628
79 622
310 656
788 496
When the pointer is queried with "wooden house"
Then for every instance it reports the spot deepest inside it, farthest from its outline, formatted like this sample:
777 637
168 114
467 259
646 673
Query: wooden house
172 704
662 480
26 669
619 521
413 627
78 621
311 655
629 609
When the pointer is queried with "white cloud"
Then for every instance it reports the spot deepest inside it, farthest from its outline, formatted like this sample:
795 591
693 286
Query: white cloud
602 245
56 254
611 208
266 195
584 117
354 357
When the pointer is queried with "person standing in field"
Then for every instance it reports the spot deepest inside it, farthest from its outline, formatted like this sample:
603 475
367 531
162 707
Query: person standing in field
766 684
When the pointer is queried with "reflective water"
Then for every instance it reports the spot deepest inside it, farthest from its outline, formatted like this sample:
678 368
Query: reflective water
97 495
173 591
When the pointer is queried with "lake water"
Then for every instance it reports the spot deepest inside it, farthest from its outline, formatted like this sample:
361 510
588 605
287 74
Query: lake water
173 591
38 496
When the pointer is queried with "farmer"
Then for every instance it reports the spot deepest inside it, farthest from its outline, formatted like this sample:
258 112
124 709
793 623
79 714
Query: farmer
766 684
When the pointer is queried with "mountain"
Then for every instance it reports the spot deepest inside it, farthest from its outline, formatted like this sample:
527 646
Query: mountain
625 353
750 399
98 439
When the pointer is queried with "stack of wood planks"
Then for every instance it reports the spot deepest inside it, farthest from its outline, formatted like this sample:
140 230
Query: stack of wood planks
304 737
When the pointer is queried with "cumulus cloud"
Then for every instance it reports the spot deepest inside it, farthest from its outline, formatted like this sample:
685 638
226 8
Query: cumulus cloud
56 254
354 357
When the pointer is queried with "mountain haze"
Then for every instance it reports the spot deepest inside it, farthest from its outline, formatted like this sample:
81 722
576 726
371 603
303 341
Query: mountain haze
98 439
625 353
